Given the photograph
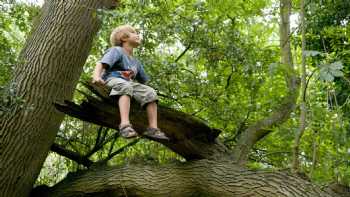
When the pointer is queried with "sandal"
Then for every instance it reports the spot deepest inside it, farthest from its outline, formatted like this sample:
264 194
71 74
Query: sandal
155 133
127 131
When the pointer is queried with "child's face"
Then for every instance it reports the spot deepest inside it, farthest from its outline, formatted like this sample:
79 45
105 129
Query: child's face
134 38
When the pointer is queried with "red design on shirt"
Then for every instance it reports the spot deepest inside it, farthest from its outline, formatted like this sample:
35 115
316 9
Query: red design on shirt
129 74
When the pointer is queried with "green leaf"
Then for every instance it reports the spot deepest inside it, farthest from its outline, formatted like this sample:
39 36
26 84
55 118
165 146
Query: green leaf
336 65
326 76
311 53
337 73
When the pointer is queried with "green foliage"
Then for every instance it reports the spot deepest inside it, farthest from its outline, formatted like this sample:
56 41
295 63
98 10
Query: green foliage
329 71
15 23
219 62
9 101
328 32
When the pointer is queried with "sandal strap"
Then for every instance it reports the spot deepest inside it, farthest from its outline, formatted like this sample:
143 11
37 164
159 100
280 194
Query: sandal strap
124 126
127 131
156 133
152 131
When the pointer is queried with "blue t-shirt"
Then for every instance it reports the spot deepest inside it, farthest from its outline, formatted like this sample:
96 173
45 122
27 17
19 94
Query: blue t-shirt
118 63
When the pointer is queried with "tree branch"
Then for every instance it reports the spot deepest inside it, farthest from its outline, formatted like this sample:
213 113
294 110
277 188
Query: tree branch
303 106
183 52
111 155
103 141
260 129
80 159
189 136
190 179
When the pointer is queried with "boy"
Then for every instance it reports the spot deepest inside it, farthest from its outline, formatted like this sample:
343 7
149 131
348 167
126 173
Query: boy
118 69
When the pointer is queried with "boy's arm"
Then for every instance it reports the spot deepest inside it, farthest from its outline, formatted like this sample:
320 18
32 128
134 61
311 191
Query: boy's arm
111 56
141 76
97 76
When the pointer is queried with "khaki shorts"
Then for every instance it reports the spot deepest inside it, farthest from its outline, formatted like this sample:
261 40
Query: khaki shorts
140 92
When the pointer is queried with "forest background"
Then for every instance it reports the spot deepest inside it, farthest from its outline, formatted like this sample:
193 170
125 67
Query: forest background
220 62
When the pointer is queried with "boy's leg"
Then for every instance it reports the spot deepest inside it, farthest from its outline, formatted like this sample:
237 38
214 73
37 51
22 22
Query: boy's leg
148 98
151 109
123 89
125 127
153 131
124 109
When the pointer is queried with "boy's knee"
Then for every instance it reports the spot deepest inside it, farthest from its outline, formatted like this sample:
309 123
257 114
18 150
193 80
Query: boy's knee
150 96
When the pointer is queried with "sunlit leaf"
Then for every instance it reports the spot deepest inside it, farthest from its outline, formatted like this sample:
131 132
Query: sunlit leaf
312 53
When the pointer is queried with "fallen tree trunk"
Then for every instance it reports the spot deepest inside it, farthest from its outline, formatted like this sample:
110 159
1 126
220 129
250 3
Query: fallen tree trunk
196 178
189 137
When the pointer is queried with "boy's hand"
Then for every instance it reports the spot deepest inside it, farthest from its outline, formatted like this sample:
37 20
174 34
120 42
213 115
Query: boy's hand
98 80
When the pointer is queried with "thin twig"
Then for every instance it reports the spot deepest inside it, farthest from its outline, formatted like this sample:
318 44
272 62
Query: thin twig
121 150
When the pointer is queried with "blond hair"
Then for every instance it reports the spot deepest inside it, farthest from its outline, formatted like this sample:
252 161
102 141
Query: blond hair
119 33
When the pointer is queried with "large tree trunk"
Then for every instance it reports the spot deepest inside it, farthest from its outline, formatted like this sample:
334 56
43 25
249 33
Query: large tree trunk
50 65
197 178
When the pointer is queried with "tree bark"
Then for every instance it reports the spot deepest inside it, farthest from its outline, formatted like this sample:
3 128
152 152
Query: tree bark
197 178
50 65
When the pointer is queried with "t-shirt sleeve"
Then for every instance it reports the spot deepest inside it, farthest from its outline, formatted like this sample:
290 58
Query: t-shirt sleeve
141 75
110 57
